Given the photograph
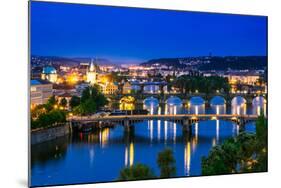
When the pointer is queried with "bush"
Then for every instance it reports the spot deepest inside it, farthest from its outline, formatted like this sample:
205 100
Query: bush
136 172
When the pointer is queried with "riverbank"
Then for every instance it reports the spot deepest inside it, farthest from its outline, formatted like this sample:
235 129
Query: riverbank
43 135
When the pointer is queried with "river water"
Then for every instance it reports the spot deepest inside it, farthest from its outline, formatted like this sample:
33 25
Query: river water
99 156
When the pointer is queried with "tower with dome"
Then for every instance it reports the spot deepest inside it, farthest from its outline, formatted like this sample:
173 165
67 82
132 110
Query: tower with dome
49 73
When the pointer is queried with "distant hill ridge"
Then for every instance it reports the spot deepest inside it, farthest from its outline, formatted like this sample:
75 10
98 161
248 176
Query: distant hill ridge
72 61
213 62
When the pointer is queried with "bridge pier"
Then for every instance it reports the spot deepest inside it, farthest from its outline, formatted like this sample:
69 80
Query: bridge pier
128 127
241 124
186 126
70 126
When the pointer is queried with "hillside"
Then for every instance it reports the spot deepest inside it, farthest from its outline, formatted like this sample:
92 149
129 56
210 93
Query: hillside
212 63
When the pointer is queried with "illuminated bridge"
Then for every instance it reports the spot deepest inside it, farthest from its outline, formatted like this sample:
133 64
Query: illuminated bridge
186 120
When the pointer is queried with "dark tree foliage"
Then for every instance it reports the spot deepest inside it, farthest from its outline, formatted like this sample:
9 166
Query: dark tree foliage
91 100
202 84
45 115
236 63
47 119
74 101
215 62
166 163
245 153
136 172
63 102
50 103
118 77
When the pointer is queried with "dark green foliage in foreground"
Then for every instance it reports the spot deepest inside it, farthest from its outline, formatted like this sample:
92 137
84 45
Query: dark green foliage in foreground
47 119
202 84
136 172
91 100
63 102
50 104
245 153
74 101
166 163
46 115
87 107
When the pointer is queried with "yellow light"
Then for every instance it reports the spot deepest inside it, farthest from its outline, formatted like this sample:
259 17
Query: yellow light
72 78
213 118
127 103
131 153
55 106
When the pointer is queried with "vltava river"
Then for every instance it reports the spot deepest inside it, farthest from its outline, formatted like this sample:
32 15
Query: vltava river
99 156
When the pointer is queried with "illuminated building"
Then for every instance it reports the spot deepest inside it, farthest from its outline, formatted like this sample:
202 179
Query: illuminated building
40 92
73 78
243 78
127 103
127 88
109 88
92 74
49 73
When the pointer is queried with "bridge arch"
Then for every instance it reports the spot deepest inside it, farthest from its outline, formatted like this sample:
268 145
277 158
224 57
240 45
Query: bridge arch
196 105
218 105
151 101
238 105
173 105
259 105
151 88
174 100
151 104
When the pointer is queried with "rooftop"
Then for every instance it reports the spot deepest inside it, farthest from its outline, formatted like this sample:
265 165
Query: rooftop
39 82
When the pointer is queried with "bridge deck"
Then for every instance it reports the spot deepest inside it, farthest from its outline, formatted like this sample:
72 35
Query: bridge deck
162 117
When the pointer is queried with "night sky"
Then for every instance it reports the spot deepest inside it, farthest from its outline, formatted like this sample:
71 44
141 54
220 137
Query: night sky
134 35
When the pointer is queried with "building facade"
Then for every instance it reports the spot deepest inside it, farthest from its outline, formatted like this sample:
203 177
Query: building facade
127 88
109 88
243 78
40 92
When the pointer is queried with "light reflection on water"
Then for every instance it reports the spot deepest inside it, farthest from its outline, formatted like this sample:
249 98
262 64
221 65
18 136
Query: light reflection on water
99 156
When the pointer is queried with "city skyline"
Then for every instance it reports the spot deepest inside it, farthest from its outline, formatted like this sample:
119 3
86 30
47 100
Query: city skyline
137 35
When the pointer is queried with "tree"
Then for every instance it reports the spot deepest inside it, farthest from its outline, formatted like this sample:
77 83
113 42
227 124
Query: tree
63 102
245 153
91 100
52 101
214 163
203 84
262 145
49 118
136 172
166 163
261 131
74 101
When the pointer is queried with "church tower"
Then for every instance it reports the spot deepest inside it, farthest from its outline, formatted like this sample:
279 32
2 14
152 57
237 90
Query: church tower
92 74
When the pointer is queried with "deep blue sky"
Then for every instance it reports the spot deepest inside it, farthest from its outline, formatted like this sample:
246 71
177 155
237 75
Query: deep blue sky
130 34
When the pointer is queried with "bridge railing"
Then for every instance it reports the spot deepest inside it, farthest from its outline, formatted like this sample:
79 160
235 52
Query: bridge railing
162 116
